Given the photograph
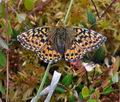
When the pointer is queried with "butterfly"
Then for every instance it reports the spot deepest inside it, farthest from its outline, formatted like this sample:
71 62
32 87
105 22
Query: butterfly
55 43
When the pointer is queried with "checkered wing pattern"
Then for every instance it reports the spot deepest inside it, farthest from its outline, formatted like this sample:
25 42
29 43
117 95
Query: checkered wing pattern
48 54
85 40
33 39
37 41
74 53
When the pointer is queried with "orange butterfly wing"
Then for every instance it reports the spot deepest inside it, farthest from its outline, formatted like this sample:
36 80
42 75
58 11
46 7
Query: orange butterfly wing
34 39
37 40
85 40
74 53
88 39
48 54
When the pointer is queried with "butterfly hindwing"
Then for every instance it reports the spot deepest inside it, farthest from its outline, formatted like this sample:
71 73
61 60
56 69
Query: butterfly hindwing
48 54
88 39
74 53
34 39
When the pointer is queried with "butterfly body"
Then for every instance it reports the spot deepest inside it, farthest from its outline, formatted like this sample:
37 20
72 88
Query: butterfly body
54 43
61 39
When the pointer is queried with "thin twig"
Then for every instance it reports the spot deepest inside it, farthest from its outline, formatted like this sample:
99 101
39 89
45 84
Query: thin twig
105 11
43 82
95 9
7 92
7 66
68 11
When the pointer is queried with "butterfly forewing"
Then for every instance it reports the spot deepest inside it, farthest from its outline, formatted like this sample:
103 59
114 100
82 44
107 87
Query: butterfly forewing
88 39
34 39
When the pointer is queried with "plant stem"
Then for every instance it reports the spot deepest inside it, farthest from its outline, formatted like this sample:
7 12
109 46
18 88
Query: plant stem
43 82
68 11
108 8
7 52
95 9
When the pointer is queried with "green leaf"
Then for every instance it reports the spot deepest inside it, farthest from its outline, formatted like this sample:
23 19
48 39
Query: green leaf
60 90
2 88
91 100
10 31
2 59
2 9
79 87
107 90
85 92
80 96
91 17
15 34
71 98
29 4
67 80
99 55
